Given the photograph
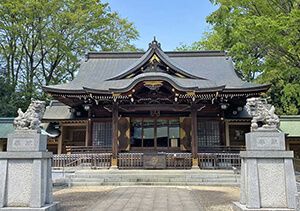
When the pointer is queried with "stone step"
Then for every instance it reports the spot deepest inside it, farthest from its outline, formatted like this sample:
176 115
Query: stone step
151 172
153 177
167 175
155 183
187 174
200 176
126 177
153 180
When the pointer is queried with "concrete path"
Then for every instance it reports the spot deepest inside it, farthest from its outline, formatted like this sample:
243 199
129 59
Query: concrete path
150 198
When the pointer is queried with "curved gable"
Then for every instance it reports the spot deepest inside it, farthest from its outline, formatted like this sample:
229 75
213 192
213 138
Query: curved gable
156 61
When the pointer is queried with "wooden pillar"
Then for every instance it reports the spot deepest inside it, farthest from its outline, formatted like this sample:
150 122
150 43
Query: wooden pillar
194 139
227 133
89 131
115 114
222 132
86 143
60 140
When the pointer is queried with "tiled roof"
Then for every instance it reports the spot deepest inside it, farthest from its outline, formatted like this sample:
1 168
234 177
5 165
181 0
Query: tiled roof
6 127
290 125
57 111
104 71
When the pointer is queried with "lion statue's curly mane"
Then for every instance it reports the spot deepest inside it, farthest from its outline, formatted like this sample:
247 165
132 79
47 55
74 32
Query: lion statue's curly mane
263 114
31 119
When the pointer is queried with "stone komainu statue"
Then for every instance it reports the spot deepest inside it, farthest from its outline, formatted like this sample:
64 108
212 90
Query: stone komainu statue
31 119
264 117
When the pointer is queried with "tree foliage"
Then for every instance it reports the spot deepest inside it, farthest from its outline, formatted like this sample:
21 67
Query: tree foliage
43 41
263 38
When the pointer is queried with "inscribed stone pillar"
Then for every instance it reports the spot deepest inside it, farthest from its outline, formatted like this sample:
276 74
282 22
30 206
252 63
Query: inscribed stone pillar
25 173
267 173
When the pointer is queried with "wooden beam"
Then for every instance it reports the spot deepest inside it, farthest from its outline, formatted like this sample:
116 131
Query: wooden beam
82 123
154 107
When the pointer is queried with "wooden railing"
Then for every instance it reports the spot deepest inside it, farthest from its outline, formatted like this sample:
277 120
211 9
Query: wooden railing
130 160
221 149
173 160
219 160
135 160
179 160
87 149
99 160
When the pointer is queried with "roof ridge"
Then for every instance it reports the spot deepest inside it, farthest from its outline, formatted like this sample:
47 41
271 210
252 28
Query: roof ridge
111 54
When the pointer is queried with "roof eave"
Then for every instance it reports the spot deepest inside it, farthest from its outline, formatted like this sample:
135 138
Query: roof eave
262 88
51 90
96 91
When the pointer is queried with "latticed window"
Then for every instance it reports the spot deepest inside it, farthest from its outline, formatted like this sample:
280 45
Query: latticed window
102 134
208 133
79 135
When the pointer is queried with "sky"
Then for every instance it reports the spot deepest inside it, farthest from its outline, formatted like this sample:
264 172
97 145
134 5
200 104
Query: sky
172 22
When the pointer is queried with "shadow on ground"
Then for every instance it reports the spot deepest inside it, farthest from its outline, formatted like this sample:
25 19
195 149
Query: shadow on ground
75 199
216 198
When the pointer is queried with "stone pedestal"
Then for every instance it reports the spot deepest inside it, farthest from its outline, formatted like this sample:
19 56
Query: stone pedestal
25 173
267 174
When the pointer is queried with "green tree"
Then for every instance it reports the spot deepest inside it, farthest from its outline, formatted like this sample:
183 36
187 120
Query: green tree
43 41
263 38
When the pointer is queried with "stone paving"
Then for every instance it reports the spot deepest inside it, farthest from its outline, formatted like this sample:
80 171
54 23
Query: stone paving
147 198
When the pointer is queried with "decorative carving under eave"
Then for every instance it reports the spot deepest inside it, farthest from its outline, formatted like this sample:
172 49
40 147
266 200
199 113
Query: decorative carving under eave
31 119
154 59
263 115
153 85
191 93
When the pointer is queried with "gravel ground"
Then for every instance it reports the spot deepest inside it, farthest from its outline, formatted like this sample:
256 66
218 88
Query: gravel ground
187 198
